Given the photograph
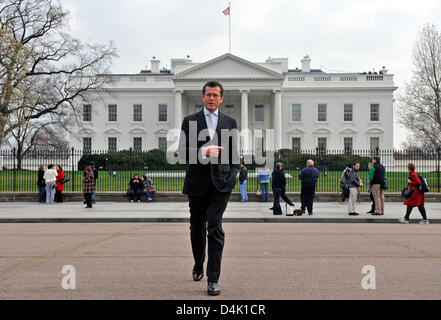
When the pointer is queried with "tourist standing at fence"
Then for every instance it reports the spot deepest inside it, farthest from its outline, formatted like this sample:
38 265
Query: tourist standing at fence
149 187
243 177
371 196
60 185
353 183
377 179
50 177
136 187
263 178
95 176
417 199
41 184
309 177
89 186
279 188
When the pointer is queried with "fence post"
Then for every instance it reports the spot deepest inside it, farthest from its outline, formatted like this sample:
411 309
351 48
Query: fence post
130 160
438 167
73 170
14 178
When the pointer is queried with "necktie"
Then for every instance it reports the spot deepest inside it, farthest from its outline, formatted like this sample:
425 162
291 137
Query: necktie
211 125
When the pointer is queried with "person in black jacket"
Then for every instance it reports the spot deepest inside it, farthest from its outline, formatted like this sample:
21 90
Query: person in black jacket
279 189
309 177
136 187
95 175
41 184
377 179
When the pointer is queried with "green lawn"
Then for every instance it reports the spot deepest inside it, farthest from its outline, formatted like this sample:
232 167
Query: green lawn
26 181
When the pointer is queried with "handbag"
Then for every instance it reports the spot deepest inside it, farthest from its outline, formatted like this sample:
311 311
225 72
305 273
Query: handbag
289 210
65 179
384 184
406 193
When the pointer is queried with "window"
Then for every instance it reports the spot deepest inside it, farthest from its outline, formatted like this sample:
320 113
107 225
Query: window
137 113
296 112
375 112
229 110
162 113
322 114
375 143
258 113
162 144
348 145
87 145
113 113
87 113
322 145
296 144
137 144
348 113
199 107
112 144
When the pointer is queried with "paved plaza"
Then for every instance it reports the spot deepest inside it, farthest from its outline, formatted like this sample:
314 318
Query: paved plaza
261 261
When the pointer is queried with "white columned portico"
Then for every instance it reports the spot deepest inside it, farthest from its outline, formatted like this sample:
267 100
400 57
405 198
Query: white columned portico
277 119
178 108
244 121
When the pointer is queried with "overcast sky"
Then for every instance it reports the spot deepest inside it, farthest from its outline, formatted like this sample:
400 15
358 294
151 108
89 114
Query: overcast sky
339 35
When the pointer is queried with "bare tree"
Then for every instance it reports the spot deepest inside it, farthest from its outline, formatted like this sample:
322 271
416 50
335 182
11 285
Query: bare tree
38 60
419 107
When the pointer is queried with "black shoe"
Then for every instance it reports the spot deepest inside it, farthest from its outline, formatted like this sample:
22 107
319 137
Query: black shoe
271 209
353 214
198 274
89 207
213 289
310 214
370 212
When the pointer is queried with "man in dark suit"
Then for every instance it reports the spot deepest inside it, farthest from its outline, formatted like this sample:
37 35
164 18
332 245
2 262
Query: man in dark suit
208 143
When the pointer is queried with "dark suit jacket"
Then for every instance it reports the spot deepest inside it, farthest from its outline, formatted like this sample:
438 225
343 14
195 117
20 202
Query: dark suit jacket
223 175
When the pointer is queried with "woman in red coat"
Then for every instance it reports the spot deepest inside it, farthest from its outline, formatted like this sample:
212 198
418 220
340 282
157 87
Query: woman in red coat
417 198
60 187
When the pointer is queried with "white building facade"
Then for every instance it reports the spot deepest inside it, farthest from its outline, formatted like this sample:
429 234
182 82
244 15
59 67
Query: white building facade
306 108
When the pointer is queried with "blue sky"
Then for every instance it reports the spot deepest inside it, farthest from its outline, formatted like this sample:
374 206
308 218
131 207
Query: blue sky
339 35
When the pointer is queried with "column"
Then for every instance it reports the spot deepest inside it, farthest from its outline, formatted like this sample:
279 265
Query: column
178 108
244 122
277 119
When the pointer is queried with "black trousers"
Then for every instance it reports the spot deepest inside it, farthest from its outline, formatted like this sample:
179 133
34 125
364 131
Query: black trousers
371 196
88 197
206 222
280 192
307 195
422 210
58 196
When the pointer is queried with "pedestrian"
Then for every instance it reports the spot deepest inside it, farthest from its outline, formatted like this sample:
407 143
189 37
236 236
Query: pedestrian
136 187
50 178
148 187
353 183
377 176
371 196
89 186
60 185
41 184
263 178
417 199
309 177
243 176
95 176
209 185
279 189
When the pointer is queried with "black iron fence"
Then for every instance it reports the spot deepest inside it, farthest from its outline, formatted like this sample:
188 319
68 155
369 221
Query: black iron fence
19 174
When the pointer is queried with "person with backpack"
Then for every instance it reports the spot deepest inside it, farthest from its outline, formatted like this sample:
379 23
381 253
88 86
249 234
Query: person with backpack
377 181
418 186
353 183
343 183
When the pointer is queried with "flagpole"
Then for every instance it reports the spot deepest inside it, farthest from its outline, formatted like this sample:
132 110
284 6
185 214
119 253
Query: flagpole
229 18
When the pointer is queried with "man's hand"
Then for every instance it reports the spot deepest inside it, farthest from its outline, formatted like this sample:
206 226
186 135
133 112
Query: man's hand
212 151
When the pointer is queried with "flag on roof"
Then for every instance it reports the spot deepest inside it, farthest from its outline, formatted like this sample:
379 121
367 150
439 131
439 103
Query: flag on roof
226 11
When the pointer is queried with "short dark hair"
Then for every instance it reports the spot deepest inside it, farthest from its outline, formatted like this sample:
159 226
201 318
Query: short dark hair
376 158
213 84
354 163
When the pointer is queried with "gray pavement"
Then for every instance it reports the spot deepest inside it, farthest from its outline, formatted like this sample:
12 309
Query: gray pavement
324 212
260 261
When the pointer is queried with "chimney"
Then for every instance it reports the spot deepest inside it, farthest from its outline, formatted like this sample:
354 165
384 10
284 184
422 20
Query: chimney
155 65
306 64
384 70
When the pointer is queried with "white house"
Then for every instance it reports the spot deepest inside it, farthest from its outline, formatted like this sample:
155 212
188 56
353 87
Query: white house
307 108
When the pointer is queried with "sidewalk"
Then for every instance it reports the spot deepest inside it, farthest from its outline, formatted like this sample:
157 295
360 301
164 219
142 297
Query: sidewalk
158 212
